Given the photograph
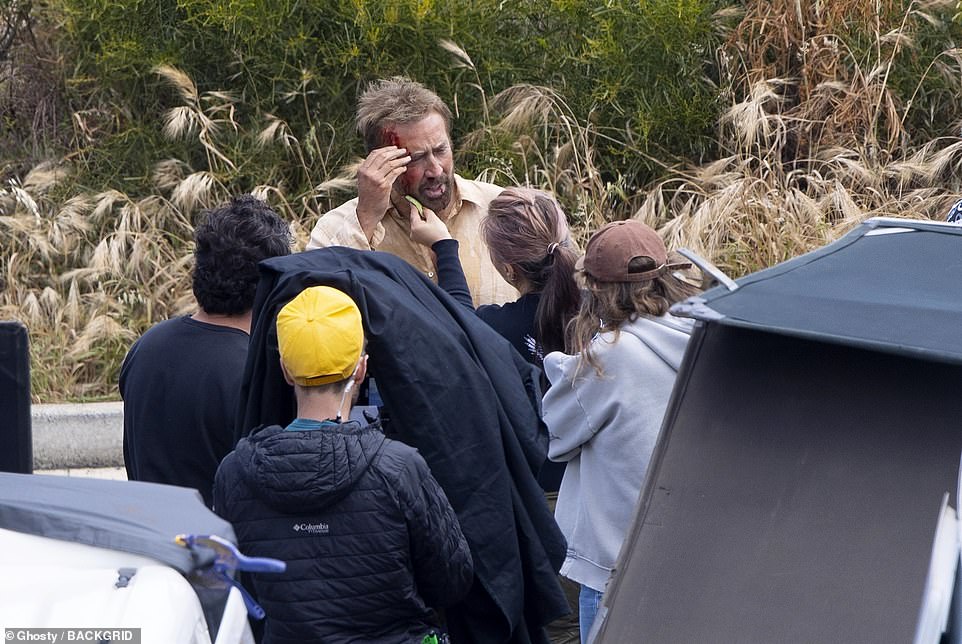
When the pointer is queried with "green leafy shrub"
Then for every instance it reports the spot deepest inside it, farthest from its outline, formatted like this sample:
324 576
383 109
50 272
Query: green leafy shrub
638 71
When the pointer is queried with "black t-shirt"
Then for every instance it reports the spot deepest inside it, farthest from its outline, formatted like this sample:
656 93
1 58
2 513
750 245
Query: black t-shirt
180 383
514 321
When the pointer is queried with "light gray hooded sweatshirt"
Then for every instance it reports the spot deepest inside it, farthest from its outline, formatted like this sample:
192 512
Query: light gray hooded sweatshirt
605 427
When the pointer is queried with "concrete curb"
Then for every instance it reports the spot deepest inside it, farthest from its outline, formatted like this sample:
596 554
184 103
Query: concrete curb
88 435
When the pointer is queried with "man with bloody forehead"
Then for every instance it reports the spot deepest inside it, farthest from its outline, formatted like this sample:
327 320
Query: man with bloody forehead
406 130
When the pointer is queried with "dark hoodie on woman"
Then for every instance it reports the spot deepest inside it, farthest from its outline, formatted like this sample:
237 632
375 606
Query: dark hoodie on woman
370 540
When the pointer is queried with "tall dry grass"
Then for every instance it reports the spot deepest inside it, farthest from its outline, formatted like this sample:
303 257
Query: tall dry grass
87 274
761 203
817 136
752 208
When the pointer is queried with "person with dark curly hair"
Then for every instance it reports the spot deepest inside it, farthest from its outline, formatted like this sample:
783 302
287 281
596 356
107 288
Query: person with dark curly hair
181 380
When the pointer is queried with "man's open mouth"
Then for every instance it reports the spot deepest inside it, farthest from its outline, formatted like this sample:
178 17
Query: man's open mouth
434 191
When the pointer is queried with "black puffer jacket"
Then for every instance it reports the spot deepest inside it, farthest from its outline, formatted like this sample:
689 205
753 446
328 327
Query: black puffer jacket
369 538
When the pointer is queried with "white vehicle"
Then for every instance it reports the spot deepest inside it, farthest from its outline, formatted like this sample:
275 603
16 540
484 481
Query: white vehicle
100 557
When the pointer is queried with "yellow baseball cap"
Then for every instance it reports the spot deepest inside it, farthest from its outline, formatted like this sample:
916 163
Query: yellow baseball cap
320 336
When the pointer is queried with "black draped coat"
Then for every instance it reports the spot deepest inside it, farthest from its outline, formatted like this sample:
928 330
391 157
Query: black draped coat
458 392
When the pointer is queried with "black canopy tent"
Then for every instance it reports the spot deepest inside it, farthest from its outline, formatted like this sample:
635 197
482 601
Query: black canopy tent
812 435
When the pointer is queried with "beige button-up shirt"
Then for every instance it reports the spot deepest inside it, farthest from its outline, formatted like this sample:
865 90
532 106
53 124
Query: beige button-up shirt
340 227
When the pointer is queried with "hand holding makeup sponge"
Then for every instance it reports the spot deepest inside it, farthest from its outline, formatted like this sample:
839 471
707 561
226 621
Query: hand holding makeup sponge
417 204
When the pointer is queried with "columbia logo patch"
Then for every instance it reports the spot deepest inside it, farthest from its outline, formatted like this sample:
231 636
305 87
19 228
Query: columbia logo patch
312 528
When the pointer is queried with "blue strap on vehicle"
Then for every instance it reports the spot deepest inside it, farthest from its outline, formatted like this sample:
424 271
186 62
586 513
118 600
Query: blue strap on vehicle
229 560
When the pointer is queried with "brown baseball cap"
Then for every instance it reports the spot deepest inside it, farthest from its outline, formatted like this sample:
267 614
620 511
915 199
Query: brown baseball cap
610 250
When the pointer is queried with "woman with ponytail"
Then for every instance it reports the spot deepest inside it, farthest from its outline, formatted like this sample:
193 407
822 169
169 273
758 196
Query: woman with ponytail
527 236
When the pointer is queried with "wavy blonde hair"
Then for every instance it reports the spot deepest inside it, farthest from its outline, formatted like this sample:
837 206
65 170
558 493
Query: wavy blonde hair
606 306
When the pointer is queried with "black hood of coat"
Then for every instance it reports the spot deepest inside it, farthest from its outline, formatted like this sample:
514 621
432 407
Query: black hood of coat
307 471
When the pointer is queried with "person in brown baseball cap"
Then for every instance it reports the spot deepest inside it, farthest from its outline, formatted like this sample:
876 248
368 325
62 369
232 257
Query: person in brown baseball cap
606 403
627 251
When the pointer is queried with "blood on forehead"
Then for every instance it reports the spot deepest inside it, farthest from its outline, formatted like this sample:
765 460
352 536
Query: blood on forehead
389 137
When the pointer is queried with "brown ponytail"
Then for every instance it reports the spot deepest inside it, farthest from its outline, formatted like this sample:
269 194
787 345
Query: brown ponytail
527 229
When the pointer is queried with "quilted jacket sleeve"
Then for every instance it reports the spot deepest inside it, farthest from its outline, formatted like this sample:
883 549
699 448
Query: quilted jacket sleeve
223 484
443 569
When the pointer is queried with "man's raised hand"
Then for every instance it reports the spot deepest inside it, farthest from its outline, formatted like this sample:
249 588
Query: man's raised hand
375 178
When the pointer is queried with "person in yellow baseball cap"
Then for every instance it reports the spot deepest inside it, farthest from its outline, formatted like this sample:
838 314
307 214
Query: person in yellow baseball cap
372 545
321 341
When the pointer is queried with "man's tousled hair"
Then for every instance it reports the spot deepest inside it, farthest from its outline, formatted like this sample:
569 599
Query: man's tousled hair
395 101
230 241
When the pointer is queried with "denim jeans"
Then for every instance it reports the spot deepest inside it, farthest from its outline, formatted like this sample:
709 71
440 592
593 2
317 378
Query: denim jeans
588 602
